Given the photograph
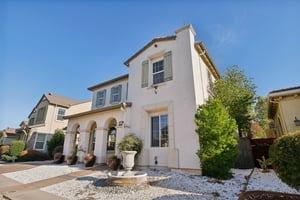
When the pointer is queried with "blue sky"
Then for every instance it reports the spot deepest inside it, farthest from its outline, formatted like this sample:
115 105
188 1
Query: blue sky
66 46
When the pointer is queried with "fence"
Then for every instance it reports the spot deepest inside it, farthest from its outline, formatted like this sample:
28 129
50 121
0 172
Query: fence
260 148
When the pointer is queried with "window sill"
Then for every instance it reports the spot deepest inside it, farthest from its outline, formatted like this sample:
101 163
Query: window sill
37 125
156 85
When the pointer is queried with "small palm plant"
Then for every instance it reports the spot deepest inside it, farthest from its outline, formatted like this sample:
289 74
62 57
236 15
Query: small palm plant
264 163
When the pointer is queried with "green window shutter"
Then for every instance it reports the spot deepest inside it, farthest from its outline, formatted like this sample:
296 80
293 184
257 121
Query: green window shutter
168 74
111 95
145 72
120 93
104 97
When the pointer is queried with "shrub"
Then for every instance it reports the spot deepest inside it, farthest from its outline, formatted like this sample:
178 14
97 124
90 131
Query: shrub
58 149
217 137
17 147
32 155
285 157
130 142
8 158
56 140
4 149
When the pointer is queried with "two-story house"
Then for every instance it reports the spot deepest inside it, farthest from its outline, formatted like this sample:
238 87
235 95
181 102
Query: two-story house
46 117
167 80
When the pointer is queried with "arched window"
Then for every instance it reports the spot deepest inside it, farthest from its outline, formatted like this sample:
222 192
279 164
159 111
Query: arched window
111 139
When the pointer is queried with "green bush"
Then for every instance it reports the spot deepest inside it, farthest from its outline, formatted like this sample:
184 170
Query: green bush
8 158
32 155
130 142
58 149
17 147
56 140
285 158
218 140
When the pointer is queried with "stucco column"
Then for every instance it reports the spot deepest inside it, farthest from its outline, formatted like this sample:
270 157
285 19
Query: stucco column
100 145
120 134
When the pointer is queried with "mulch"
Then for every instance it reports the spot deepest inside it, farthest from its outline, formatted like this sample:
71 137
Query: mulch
268 195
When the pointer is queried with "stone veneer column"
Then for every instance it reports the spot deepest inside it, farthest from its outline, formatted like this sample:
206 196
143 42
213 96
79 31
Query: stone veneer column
83 144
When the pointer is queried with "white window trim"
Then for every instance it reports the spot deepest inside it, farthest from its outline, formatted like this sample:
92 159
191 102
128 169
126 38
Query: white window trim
150 129
153 73
44 142
57 114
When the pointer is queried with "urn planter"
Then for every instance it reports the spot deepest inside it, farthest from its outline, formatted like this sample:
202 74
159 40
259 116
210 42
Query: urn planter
128 159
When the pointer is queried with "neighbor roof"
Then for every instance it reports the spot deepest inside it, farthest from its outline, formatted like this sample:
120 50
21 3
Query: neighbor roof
54 99
158 39
285 89
108 82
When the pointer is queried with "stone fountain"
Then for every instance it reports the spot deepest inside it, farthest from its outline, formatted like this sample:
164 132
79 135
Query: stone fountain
127 177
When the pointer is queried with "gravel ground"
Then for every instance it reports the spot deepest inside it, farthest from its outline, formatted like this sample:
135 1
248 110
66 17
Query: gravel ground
164 185
268 181
41 172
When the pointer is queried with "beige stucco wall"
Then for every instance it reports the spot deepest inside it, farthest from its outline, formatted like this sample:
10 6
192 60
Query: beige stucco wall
288 109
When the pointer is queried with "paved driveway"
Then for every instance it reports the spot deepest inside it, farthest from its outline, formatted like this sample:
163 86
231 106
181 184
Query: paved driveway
13 189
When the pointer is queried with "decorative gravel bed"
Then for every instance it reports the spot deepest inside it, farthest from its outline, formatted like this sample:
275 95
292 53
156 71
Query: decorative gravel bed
41 172
268 182
164 185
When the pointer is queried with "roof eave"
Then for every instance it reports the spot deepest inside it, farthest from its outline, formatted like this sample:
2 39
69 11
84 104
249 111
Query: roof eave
200 47
108 108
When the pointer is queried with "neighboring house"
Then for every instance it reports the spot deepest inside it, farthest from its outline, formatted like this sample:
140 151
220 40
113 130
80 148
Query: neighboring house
284 110
168 78
46 117
11 134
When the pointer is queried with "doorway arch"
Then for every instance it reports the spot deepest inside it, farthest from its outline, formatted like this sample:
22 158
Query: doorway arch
111 137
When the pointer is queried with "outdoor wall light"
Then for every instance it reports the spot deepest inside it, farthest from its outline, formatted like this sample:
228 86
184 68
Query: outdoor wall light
297 121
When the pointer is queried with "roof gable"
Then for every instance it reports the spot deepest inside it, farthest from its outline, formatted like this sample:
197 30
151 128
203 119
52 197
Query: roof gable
149 44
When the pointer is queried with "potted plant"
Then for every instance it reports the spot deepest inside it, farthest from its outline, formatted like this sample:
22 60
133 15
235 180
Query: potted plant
89 160
113 162
129 146
72 159
264 163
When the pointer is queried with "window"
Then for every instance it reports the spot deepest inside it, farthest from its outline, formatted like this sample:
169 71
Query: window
60 114
100 98
92 141
31 121
115 95
159 131
158 72
111 139
40 141
40 115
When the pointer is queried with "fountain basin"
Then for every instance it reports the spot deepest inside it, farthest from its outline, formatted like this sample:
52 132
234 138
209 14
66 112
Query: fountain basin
127 178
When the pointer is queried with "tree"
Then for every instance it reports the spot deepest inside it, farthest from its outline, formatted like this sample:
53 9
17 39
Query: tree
56 140
1 137
261 112
217 138
237 93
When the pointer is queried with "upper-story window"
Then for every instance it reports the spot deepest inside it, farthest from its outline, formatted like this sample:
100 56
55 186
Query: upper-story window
115 94
41 114
60 114
158 72
100 98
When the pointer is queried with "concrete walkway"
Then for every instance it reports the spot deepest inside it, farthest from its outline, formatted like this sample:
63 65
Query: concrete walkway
16 191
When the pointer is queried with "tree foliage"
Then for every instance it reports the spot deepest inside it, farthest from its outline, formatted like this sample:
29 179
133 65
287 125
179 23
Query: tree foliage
237 93
217 137
56 140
